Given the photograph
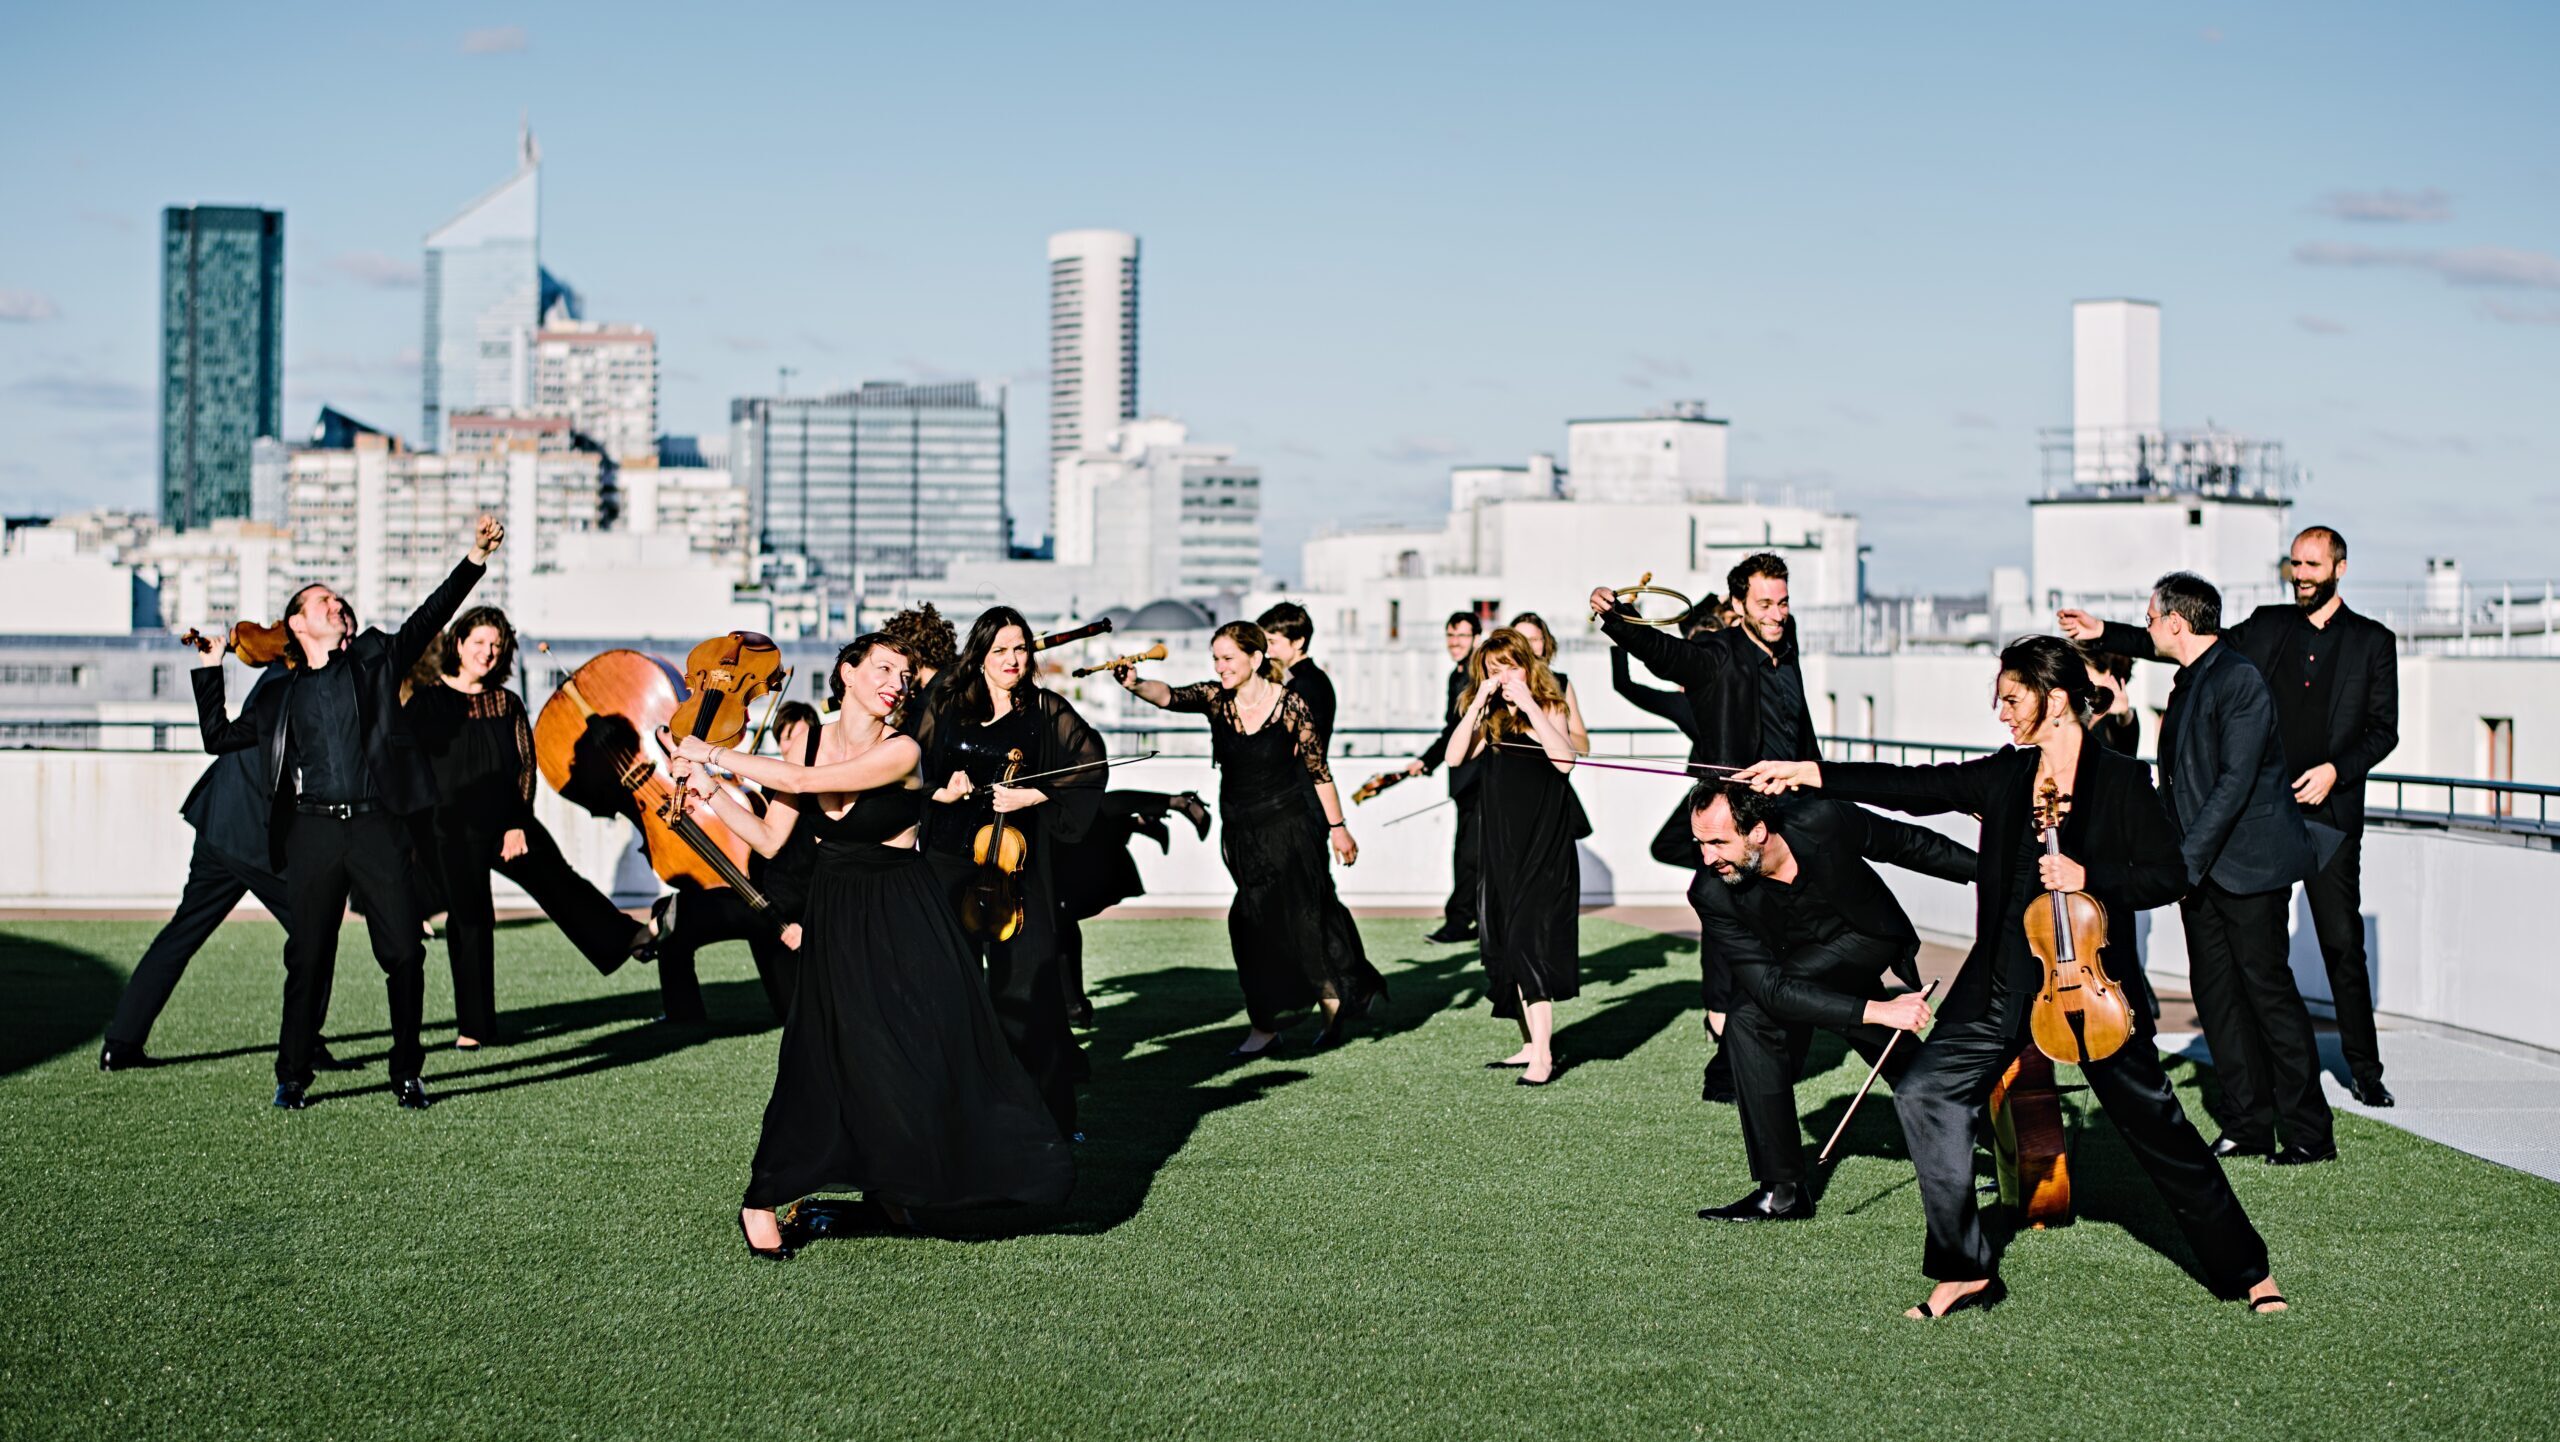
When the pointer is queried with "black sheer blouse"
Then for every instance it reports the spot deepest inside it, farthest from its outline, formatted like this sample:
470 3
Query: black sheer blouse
481 749
1285 755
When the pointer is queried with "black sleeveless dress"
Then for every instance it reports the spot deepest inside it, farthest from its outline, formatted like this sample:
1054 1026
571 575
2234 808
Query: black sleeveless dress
894 1080
1530 891
1273 841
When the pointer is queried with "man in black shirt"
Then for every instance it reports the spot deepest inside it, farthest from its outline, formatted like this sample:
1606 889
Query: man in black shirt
337 763
2336 677
1813 935
1458 914
1746 696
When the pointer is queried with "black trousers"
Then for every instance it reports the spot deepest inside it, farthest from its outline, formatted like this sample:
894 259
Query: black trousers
325 859
2336 894
1767 1056
1466 866
1950 1082
2253 1018
706 918
215 883
467 851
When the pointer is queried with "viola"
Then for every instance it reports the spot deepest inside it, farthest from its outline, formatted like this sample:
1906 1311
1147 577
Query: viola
723 677
991 904
254 644
2080 1015
591 742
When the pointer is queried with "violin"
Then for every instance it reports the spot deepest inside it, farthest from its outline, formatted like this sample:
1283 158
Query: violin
1152 653
589 741
723 677
1378 783
991 904
2080 1014
254 644
1060 638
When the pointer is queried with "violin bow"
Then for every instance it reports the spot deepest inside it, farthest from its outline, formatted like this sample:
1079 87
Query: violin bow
1690 769
1106 762
772 703
1863 1087
1417 811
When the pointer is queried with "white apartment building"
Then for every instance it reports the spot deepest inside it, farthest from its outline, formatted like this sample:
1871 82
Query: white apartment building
703 504
604 378
1093 347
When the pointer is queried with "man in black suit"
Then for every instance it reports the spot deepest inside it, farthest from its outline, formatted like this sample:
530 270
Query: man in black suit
231 860
335 758
1458 914
2223 775
1746 696
1812 934
2336 677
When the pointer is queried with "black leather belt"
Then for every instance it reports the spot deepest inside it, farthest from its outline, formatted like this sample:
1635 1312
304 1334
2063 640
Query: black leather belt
339 809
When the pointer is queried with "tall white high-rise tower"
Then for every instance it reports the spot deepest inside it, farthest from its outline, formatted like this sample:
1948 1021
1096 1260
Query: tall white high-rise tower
1093 362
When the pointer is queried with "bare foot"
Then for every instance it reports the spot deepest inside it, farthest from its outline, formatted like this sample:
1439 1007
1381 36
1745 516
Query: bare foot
763 1229
1944 1296
1541 1068
1522 1057
466 1043
2265 1298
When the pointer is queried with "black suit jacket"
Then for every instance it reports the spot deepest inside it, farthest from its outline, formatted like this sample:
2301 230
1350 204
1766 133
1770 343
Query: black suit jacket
227 806
2117 829
1309 680
1837 849
2364 689
381 660
2230 792
1462 777
1721 673
1671 706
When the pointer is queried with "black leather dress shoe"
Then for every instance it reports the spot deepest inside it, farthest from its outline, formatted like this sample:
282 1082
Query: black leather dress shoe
2301 1157
2374 1094
1765 1204
410 1093
119 1056
289 1098
1449 935
2226 1149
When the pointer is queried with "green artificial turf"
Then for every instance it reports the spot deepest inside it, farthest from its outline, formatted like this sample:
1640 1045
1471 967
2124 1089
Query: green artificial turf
1383 1240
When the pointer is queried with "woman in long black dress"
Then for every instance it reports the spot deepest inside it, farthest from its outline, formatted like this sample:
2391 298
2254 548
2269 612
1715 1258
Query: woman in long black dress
990 711
479 741
894 1079
1264 742
1532 886
2117 845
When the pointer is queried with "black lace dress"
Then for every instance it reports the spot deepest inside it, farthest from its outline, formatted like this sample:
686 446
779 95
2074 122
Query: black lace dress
1531 891
1274 843
894 1080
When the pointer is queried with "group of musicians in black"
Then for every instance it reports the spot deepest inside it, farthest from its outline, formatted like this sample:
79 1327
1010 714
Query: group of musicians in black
931 1065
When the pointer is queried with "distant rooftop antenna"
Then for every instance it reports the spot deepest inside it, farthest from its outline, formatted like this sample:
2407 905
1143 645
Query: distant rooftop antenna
783 381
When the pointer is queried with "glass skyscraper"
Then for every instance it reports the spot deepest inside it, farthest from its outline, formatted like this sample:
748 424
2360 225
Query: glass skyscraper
484 297
890 481
221 355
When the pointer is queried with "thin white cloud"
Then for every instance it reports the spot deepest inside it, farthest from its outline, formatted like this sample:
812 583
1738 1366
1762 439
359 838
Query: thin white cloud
495 40
2319 325
25 307
2521 314
2388 206
83 393
2477 265
377 270
1419 450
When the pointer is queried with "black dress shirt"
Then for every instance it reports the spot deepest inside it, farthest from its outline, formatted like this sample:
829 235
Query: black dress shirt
1782 704
2306 674
328 749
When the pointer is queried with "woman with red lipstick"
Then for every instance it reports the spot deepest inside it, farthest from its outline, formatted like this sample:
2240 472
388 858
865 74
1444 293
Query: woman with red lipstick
988 708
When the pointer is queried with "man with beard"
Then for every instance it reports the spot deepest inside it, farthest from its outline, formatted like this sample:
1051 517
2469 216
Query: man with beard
2336 678
1812 934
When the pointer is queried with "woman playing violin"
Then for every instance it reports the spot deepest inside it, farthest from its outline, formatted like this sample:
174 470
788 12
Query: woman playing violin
2116 845
990 710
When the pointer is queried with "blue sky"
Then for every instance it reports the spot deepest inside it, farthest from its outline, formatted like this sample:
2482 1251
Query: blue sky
1380 239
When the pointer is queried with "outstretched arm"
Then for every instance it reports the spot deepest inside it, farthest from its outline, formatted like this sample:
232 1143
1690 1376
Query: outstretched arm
419 631
886 763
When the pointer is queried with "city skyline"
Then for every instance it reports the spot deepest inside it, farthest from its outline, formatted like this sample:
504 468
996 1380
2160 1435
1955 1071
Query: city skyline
1366 267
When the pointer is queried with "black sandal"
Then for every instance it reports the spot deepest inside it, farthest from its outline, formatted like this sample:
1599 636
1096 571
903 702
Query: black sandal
1984 1298
2261 1306
1506 1066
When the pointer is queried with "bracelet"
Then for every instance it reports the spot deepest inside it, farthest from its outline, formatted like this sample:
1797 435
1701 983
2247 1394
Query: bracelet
1339 826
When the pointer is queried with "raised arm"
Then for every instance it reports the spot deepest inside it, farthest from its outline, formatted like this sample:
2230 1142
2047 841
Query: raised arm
419 631
1671 706
1913 848
1966 786
222 732
1683 663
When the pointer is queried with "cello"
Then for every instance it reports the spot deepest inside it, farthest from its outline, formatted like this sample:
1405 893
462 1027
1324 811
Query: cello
591 741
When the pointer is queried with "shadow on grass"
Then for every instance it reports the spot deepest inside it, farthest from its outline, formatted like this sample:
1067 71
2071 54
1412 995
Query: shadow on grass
625 1032
61 999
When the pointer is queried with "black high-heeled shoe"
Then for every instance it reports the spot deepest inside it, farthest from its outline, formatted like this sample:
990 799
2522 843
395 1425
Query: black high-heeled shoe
765 1254
1981 1298
1244 1053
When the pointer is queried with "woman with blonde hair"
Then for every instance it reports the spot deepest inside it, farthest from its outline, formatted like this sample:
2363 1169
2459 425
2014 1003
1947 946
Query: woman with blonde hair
1518 720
